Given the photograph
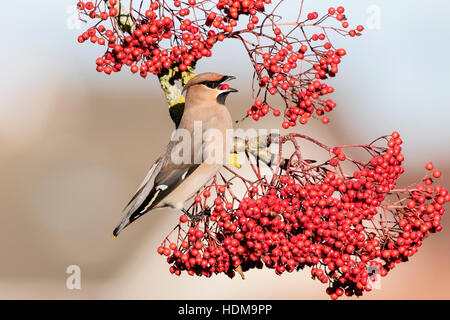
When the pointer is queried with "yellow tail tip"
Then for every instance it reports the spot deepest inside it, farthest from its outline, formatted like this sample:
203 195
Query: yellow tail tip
113 237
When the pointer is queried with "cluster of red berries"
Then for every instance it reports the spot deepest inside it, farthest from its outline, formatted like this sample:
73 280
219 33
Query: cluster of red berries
234 8
157 42
160 35
306 106
278 64
259 109
142 49
330 225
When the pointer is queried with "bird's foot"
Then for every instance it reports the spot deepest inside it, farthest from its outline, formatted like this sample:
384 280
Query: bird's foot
193 217
197 217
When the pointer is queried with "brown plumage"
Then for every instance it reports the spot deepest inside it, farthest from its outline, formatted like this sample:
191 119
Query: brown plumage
169 184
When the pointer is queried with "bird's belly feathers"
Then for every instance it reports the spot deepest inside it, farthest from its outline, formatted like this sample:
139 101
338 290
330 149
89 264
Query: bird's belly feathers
210 150
210 138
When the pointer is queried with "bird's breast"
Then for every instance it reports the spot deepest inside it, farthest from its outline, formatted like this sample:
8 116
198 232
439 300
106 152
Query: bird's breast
211 133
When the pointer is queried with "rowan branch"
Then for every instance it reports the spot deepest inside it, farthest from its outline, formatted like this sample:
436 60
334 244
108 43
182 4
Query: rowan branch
124 19
174 96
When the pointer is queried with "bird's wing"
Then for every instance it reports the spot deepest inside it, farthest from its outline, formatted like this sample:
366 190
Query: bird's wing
144 183
162 178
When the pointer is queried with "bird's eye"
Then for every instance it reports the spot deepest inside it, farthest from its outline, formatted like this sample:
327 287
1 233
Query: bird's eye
211 84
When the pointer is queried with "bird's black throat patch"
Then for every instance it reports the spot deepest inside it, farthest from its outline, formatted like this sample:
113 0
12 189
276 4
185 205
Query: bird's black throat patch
221 97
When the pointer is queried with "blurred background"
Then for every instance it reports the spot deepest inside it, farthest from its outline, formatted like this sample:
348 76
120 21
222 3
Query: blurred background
75 144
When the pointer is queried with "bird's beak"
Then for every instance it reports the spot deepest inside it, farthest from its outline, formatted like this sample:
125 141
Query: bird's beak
225 87
230 90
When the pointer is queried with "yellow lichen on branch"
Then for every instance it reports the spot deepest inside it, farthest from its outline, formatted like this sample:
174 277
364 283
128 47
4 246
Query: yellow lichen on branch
233 160
175 99
124 19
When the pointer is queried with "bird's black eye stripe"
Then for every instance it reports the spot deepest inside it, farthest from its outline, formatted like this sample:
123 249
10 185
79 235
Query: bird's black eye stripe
211 84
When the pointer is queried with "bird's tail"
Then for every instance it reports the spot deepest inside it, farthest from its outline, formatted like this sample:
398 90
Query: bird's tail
134 212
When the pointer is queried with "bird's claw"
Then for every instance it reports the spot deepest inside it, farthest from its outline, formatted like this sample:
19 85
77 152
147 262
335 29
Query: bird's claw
194 217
